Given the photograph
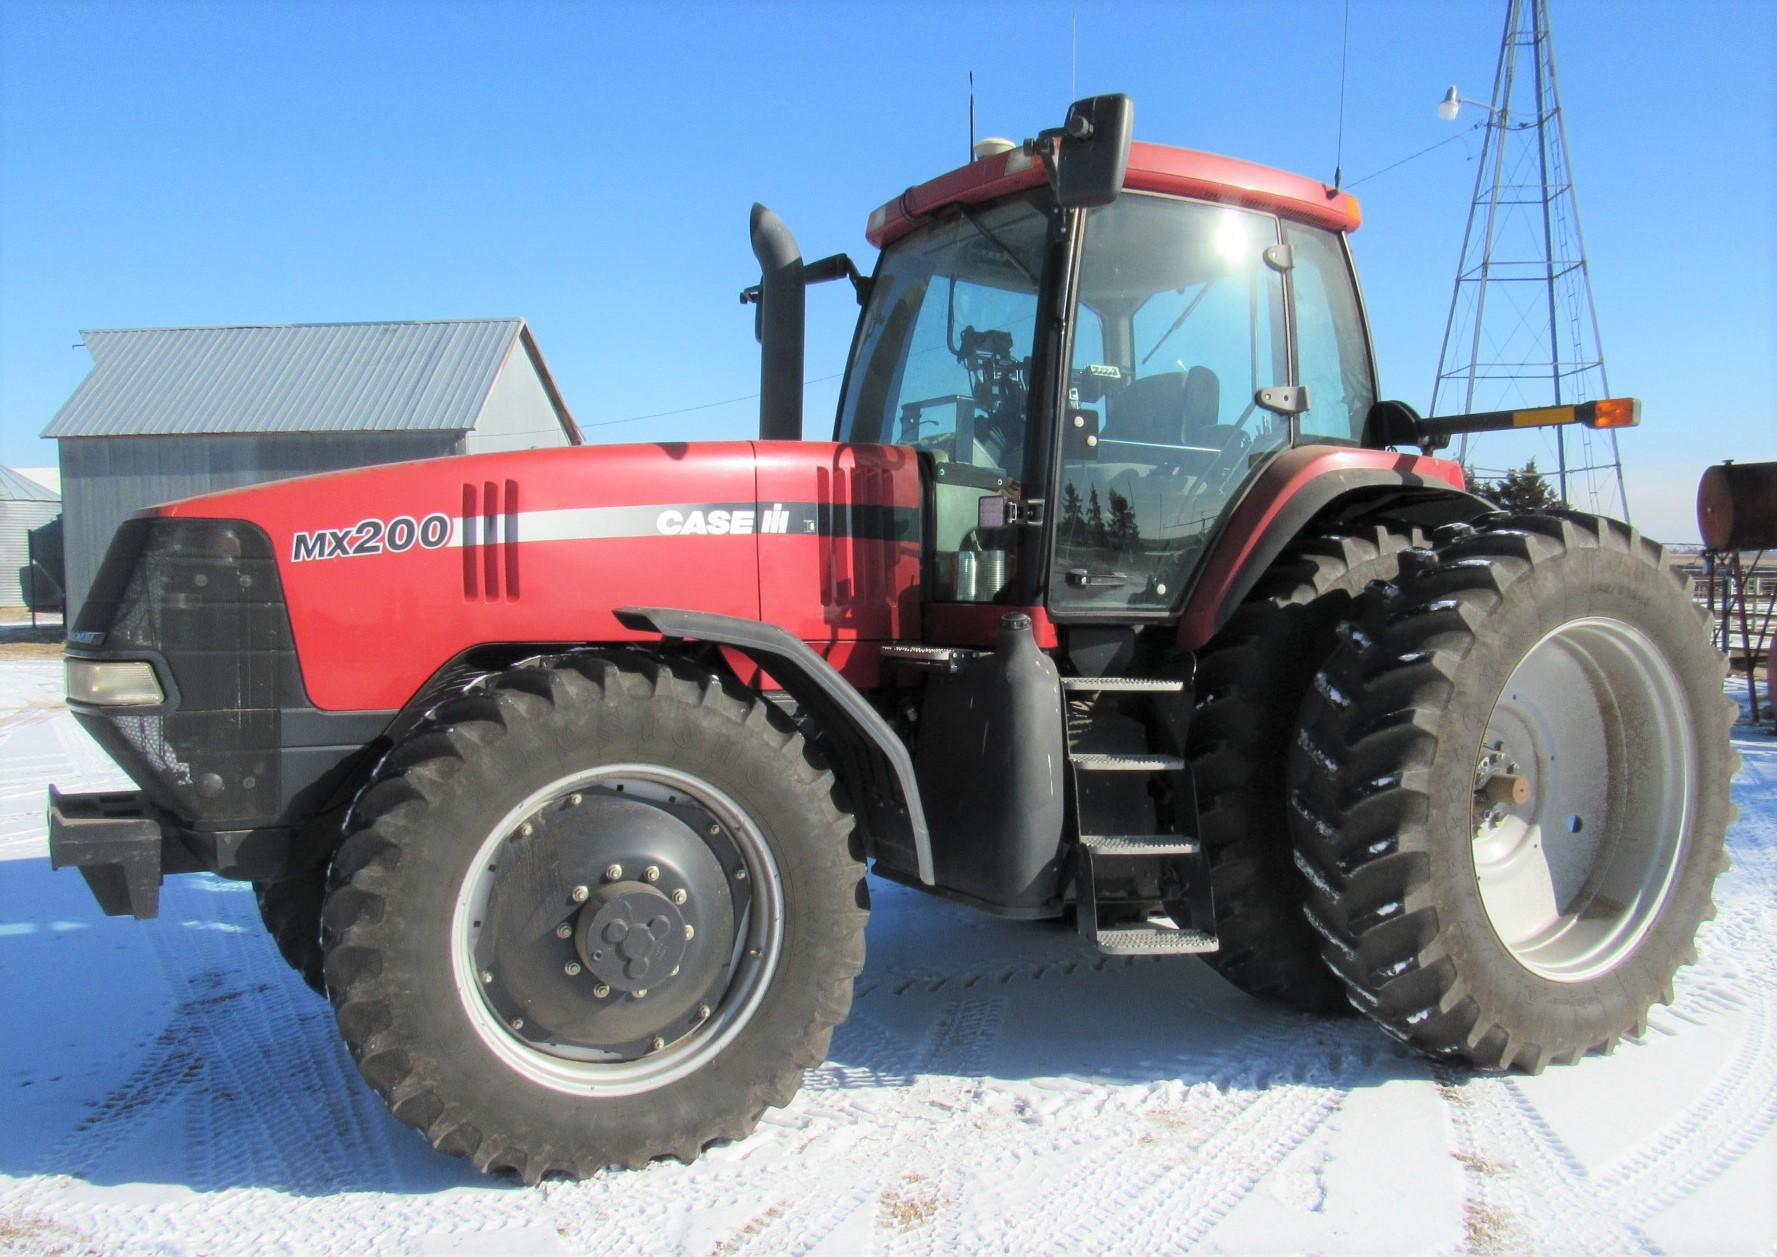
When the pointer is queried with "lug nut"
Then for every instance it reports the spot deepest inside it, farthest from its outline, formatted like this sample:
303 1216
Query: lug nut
526 830
613 872
573 800
486 977
642 994
679 896
703 1012
564 930
600 991
518 1023
572 968
690 930
740 875
658 1043
715 829
651 874
581 894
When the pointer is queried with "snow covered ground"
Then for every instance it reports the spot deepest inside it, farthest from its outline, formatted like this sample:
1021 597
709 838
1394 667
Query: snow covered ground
168 1086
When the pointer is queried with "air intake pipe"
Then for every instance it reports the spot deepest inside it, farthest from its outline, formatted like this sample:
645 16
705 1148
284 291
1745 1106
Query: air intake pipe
782 297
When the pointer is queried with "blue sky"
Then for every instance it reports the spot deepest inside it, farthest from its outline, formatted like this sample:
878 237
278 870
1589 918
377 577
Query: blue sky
590 167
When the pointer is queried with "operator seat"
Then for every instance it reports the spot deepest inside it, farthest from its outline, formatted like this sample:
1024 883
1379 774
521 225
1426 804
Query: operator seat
1171 408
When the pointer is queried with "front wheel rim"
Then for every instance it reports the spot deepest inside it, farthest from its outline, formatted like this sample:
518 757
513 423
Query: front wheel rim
756 945
1594 721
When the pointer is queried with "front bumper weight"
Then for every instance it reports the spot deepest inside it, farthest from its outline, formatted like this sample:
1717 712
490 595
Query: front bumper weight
116 839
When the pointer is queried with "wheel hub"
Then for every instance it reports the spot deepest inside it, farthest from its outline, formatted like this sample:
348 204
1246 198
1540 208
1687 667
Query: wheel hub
631 936
609 930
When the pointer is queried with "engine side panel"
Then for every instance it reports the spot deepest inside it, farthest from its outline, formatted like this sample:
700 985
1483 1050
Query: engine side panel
845 576
391 571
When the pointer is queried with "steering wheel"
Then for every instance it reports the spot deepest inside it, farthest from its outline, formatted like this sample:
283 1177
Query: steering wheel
1215 477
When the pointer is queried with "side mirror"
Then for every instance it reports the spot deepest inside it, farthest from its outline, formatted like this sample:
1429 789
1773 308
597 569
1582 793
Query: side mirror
1392 423
1094 151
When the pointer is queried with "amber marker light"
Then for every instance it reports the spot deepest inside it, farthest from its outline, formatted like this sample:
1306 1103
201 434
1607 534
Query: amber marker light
1611 412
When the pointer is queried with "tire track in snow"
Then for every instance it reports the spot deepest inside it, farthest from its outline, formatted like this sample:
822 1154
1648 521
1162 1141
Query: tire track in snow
858 1175
1718 1129
1257 1122
1523 1187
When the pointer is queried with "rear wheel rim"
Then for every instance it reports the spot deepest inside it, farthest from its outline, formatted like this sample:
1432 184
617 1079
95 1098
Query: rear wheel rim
1594 718
757 941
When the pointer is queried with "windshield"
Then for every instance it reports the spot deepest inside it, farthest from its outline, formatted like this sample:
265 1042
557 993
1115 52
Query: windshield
1187 324
942 363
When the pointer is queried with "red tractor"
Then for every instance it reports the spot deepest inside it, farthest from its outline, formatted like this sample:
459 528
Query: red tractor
559 771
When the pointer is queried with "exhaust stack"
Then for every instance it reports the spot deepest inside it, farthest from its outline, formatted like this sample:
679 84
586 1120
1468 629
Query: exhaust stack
782 312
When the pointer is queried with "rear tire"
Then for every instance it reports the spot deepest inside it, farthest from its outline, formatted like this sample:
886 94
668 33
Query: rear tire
479 976
1559 657
1250 683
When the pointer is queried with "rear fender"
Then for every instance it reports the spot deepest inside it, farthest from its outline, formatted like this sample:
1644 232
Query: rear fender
1310 485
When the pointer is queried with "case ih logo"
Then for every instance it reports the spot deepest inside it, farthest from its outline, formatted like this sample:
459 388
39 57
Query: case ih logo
372 536
722 523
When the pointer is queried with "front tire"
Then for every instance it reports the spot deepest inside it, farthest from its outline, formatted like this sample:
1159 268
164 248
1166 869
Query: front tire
596 913
1511 790
291 910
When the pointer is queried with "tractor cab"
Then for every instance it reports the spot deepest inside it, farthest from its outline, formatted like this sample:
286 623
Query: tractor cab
1112 375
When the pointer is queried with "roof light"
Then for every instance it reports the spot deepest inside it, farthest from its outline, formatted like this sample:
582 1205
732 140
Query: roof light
992 146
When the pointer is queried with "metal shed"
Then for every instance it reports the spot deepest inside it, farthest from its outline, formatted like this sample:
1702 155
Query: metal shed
24 505
171 412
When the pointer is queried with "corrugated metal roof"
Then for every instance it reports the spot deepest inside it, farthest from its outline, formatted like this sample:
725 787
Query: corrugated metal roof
17 488
308 377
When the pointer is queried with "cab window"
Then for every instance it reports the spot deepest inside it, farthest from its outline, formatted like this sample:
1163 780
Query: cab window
1332 353
943 365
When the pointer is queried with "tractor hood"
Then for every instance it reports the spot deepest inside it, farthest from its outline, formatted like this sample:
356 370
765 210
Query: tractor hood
389 573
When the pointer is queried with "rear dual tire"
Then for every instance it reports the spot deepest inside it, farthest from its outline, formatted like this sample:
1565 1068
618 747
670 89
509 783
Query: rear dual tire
1250 684
1556 651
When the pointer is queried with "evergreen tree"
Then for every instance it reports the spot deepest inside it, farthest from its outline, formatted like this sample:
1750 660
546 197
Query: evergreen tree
1072 511
1125 529
1095 530
1521 489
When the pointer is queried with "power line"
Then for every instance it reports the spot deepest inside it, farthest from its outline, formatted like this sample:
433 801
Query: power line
685 410
1460 135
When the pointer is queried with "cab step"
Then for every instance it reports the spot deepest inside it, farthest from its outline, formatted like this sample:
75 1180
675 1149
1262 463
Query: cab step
1140 844
1122 685
1153 940
1141 875
1128 763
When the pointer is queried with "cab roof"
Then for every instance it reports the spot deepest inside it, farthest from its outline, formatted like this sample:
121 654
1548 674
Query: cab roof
1152 168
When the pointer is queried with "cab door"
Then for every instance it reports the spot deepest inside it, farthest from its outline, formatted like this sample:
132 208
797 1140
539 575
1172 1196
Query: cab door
1182 321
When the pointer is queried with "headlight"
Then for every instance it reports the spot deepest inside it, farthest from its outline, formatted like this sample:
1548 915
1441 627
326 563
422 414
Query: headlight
113 683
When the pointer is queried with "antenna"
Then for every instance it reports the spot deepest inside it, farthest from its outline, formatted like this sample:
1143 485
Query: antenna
1523 328
1339 150
971 115
1073 82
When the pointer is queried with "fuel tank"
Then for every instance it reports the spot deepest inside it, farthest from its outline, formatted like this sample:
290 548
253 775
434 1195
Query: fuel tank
390 572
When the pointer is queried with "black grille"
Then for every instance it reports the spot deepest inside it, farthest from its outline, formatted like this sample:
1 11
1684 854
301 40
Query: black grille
204 597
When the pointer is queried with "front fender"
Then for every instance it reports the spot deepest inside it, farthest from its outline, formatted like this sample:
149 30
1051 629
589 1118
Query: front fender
877 770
